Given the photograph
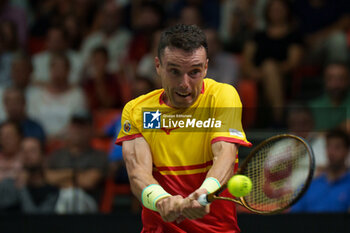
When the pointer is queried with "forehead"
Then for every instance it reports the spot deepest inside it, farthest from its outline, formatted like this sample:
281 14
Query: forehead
182 57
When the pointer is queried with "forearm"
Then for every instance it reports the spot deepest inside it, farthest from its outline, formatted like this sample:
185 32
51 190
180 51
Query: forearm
140 180
138 162
224 161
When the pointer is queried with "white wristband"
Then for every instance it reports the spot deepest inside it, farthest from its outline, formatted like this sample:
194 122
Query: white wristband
211 184
151 194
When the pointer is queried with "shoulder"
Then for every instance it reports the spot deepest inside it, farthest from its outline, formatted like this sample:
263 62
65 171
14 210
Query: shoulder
222 93
150 99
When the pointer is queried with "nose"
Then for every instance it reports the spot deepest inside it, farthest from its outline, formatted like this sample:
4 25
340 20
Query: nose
185 82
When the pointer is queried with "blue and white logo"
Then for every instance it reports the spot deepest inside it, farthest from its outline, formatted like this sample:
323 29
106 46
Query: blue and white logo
151 120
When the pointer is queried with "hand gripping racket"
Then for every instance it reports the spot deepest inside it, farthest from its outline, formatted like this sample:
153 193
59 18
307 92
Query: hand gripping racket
280 168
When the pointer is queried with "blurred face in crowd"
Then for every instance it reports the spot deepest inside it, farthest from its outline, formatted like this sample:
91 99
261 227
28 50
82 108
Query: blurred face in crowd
14 103
148 19
277 11
56 42
8 36
111 17
10 139
337 152
59 71
182 75
336 81
213 42
31 152
190 15
21 70
300 123
79 135
99 60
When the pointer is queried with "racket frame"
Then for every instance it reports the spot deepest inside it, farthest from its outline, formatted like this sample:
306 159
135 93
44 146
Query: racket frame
215 195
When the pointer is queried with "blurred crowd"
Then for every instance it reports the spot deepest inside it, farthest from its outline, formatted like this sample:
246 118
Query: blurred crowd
68 67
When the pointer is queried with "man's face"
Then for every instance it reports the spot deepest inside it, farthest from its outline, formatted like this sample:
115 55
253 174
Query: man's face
14 105
56 41
337 81
336 152
182 75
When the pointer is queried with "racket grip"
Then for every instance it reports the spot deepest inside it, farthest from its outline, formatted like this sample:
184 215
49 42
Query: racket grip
202 199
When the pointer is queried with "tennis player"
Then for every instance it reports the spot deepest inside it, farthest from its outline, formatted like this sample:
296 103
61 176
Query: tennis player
169 168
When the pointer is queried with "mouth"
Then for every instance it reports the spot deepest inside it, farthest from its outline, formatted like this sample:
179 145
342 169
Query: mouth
183 94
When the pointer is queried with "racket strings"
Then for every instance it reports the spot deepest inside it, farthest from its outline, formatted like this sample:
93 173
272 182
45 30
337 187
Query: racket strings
278 172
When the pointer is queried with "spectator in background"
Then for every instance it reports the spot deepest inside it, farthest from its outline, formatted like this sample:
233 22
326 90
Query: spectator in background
223 66
15 106
9 45
21 69
77 167
56 102
273 54
300 122
332 109
102 88
36 196
74 32
10 160
190 15
209 9
323 24
56 43
18 17
238 22
146 66
146 20
334 184
110 34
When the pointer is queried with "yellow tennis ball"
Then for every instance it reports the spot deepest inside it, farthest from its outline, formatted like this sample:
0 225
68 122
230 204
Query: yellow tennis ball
239 185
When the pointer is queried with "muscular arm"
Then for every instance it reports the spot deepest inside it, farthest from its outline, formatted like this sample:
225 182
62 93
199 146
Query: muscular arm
224 161
138 160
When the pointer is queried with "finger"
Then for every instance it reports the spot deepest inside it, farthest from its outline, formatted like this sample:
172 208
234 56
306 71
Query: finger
180 219
188 214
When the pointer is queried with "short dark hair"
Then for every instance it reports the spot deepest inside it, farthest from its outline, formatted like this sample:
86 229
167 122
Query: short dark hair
337 133
181 36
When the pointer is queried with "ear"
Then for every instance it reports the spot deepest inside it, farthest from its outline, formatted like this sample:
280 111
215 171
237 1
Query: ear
206 67
157 64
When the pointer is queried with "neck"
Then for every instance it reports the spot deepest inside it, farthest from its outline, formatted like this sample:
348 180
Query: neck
334 173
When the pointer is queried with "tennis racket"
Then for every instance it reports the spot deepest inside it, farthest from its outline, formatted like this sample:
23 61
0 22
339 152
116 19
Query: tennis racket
280 168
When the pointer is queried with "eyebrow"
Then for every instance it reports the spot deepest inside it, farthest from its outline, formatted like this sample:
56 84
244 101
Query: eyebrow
176 65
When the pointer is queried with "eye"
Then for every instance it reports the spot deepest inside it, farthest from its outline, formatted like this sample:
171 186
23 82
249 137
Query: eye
195 72
175 72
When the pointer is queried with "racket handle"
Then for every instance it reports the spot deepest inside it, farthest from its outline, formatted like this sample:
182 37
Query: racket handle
203 200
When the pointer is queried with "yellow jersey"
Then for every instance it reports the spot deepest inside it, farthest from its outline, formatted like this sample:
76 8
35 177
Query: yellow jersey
179 142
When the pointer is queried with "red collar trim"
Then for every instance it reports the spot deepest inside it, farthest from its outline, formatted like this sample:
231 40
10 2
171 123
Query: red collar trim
161 101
